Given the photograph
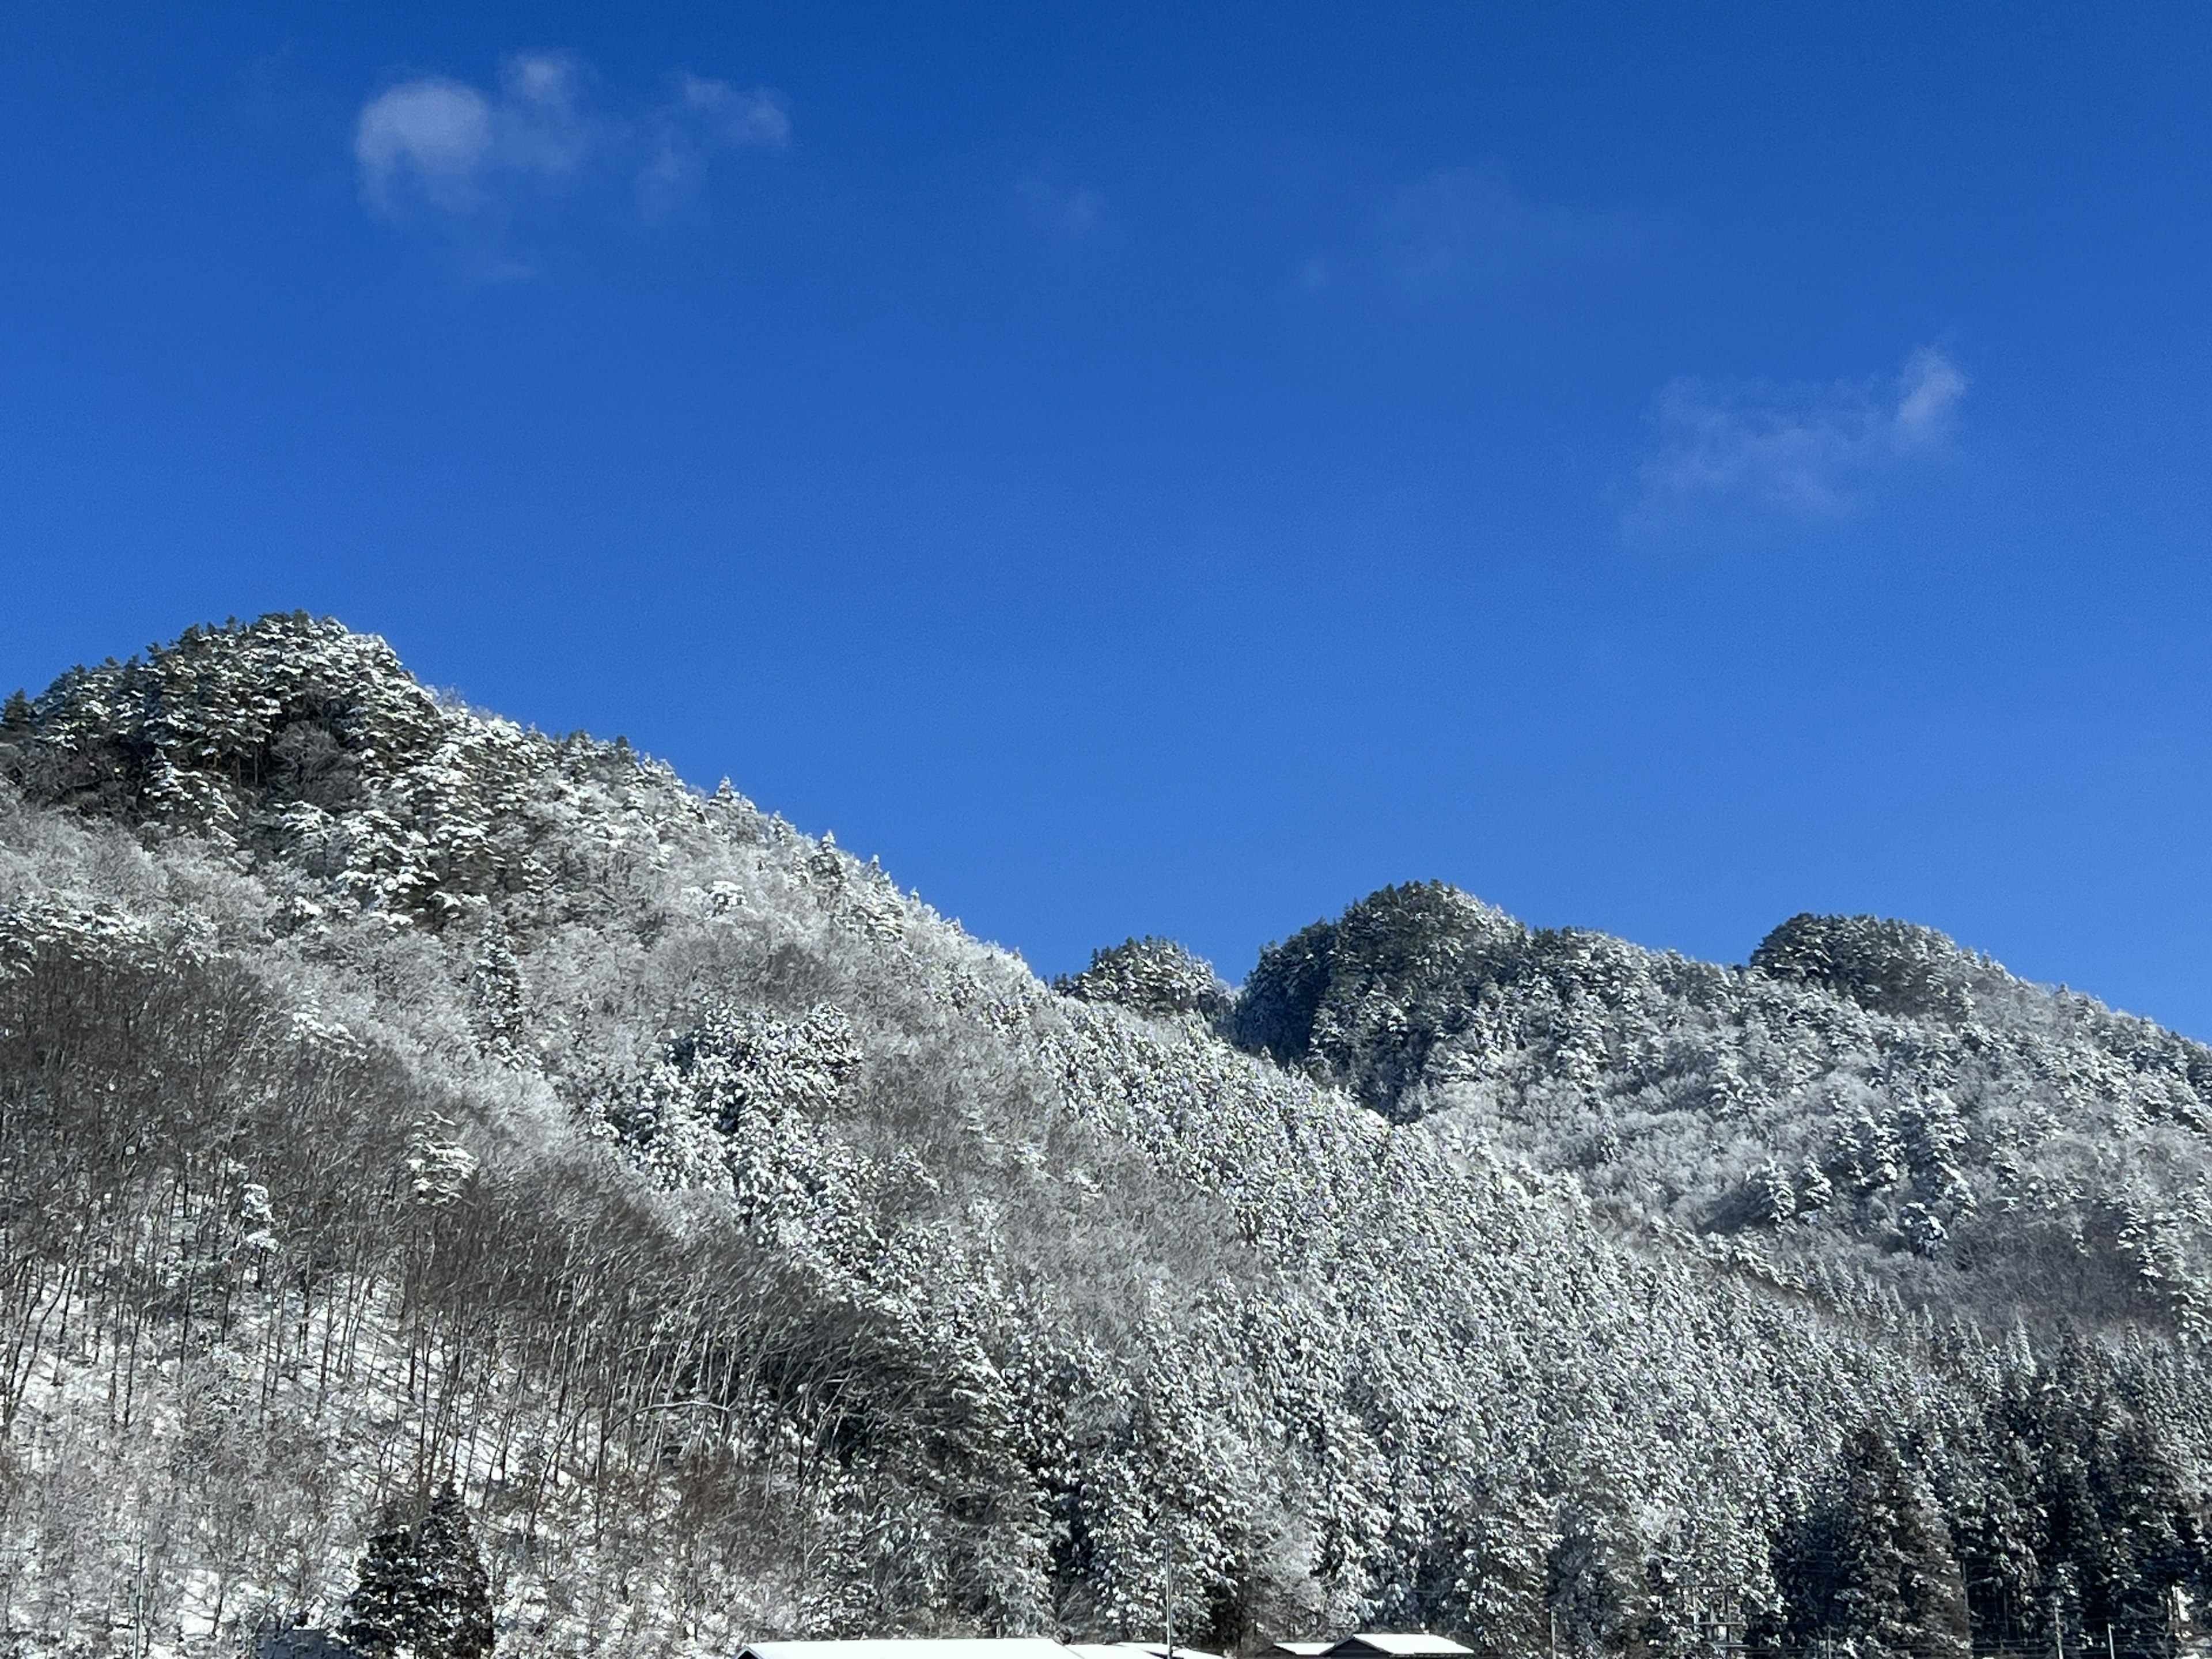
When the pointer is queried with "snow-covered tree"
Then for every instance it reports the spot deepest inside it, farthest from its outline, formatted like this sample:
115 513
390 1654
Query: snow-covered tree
422 1593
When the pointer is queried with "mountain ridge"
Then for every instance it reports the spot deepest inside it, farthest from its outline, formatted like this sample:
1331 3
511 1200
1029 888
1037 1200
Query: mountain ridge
756 1253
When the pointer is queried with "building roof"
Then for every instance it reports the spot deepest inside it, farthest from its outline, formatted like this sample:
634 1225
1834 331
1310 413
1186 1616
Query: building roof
1296 1650
1135 1650
952 1647
1414 1645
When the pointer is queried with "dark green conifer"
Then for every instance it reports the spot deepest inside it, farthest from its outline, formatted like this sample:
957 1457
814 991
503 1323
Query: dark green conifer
1873 1566
2156 1541
385 1608
423 1593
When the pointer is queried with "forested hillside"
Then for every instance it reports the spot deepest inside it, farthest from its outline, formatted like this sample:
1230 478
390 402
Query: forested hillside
392 1097
1865 1092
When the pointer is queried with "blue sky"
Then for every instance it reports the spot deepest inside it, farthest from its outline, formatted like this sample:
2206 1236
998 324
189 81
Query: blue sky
1177 468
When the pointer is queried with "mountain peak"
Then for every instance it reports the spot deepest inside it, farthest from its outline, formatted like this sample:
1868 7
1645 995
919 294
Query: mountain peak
295 737
1889 966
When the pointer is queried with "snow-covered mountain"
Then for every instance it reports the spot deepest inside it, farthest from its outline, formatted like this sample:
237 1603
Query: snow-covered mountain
391 1095
1865 1092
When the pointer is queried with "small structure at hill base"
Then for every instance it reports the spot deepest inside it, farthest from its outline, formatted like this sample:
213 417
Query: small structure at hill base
1368 1645
969 1647
949 1647
1371 1645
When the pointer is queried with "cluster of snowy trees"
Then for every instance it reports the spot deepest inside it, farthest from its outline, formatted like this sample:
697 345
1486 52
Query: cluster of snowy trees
1863 1092
415 1128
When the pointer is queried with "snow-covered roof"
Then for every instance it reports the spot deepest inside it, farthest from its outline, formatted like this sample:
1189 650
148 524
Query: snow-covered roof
1297 1650
1139 1651
1413 1645
952 1647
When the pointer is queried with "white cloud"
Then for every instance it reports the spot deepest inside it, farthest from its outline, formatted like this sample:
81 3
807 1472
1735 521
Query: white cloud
1928 391
440 145
433 134
703 117
1077 212
1802 452
730 116
544 130
1466 228
439 150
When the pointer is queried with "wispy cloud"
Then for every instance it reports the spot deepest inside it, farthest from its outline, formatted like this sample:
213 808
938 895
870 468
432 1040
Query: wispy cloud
703 118
1077 212
438 151
440 146
1466 230
1756 449
432 134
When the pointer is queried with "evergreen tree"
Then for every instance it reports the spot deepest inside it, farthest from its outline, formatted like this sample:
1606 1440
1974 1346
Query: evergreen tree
1997 1530
1152 976
423 1593
1874 1565
1594 1583
2155 1543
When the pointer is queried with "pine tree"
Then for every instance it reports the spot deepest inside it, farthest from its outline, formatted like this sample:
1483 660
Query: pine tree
1875 1563
1594 1587
2156 1542
1905 1535
380 1615
423 1593
1997 1530
449 1550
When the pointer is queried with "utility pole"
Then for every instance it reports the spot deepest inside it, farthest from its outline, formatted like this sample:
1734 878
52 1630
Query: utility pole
1167 1561
2058 1630
1555 1633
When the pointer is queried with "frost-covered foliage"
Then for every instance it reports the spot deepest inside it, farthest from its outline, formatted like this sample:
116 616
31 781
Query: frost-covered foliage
1155 976
296 740
1362 1000
1891 967
423 1593
390 1096
1866 1092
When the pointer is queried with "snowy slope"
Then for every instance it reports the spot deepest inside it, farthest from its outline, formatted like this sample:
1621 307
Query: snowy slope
1865 1092
391 1094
